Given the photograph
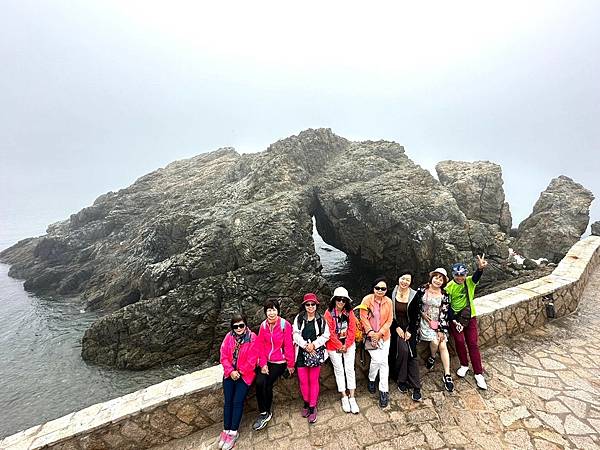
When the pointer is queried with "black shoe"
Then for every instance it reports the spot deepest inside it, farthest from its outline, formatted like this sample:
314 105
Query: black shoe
416 395
430 362
261 422
402 387
448 384
384 399
371 387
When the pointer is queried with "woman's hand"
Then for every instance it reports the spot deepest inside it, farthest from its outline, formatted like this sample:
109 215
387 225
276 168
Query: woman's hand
481 262
441 337
343 349
264 370
291 370
310 347
400 332
407 335
235 375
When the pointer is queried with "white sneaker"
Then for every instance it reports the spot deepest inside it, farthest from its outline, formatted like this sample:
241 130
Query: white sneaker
481 384
462 371
345 404
354 406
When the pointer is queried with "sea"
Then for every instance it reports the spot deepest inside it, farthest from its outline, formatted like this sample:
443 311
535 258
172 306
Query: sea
42 374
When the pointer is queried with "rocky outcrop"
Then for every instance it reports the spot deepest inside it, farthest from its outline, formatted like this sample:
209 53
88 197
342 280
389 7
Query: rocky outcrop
559 218
477 188
595 227
171 257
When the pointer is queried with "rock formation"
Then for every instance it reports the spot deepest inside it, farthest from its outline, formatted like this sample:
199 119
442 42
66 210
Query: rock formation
477 188
596 228
171 257
559 218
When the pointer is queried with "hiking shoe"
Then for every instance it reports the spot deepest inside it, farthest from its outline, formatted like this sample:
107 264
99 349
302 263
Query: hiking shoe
384 399
354 406
261 422
371 387
230 441
416 395
448 383
430 362
345 404
312 417
304 412
222 438
481 384
402 387
462 371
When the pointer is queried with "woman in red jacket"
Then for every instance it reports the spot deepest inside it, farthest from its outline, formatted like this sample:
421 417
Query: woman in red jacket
340 346
238 358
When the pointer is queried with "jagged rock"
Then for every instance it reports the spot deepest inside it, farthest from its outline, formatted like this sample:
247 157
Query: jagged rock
176 253
477 188
559 218
596 228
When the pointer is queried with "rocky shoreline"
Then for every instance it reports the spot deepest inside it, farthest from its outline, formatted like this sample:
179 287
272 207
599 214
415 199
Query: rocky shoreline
169 258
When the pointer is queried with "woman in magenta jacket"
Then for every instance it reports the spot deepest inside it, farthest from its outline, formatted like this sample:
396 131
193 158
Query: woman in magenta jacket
276 356
238 358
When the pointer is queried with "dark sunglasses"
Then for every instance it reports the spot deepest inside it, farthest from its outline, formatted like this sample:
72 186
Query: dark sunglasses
238 326
310 304
341 299
379 288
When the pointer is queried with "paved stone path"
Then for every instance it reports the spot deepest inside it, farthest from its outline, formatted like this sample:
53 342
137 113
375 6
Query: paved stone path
544 393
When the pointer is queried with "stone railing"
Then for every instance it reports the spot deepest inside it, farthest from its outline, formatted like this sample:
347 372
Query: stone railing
178 407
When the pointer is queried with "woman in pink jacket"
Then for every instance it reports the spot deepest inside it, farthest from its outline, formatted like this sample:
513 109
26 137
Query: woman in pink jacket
276 358
238 358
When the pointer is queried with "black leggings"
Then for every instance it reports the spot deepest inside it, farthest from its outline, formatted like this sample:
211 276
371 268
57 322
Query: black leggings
264 385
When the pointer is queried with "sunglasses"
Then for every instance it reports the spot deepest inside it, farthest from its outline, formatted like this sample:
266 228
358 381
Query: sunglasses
340 300
310 304
238 326
380 288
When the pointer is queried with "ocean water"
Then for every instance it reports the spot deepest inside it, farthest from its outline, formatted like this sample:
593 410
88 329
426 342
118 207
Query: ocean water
42 375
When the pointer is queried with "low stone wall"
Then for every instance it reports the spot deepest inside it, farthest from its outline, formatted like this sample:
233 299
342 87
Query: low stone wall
178 407
523 307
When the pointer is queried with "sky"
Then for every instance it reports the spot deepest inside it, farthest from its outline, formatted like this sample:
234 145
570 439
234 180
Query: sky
94 94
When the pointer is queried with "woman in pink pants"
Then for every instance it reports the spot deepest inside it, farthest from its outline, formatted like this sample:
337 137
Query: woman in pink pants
311 333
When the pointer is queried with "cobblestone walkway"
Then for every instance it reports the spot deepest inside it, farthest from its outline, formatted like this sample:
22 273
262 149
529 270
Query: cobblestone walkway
544 393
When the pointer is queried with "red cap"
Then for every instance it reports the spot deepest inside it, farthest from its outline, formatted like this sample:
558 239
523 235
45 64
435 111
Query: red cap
310 297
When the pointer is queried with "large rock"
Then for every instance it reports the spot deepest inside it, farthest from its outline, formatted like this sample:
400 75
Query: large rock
176 253
596 228
477 188
559 218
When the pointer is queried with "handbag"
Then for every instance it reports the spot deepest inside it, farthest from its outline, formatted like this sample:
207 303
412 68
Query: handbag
316 358
464 315
434 324
369 344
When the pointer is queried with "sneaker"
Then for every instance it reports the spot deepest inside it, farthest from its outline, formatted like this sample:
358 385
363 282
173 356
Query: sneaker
384 399
416 395
354 406
402 387
430 362
312 417
371 387
448 384
462 371
222 438
481 384
345 404
230 441
261 422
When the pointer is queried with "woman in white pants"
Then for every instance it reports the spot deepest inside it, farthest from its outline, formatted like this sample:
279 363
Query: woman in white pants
341 348
376 320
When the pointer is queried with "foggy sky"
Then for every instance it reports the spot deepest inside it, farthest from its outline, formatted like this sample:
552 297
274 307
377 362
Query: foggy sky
96 94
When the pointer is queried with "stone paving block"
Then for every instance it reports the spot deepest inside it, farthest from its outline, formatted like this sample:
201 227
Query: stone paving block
575 426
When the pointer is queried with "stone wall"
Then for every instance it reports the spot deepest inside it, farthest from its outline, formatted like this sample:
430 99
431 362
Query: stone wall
178 407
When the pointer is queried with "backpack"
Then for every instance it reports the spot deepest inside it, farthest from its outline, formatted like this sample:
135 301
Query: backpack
321 322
